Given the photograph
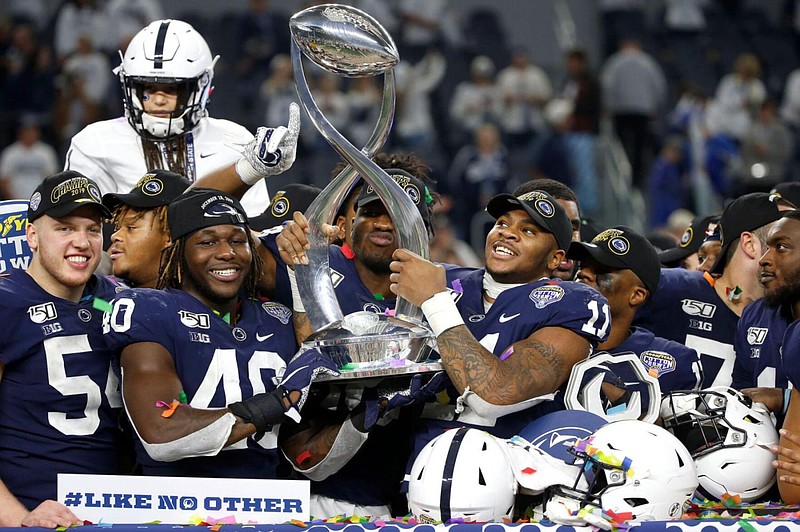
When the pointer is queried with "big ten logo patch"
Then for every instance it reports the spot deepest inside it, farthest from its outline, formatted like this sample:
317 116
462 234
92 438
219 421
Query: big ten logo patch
14 250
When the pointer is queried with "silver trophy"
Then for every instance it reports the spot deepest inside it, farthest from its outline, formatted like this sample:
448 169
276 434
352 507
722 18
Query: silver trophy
346 41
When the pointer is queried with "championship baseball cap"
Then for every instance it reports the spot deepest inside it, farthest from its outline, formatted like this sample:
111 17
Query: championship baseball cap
623 248
413 187
60 194
291 198
540 206
154 189
789 191
746 213
203 207
690 241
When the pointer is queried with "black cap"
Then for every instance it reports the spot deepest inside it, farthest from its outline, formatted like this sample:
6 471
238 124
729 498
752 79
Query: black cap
691 240
412 186
745 213
60 194
203 207
154 189
541 206
789 191
291 198
623 248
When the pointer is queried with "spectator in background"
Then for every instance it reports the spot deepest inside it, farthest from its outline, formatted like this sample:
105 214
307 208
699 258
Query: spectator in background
447 248
738 98
479 171
278 90
26 162
76 18
766 152
790 115
475 101
422 26
414 125
634 93
262 34
83 85
28 74
364 104
583 90
666 183
523 90
334 105
549 154
124 18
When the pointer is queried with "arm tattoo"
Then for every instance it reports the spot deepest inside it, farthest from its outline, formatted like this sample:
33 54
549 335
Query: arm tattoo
535 368
302 326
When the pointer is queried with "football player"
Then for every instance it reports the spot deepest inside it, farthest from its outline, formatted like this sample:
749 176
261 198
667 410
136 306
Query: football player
140 226
361 475
623 265
781 278
569 201
166 76
200 356
758 371
700 311
508 335
59 398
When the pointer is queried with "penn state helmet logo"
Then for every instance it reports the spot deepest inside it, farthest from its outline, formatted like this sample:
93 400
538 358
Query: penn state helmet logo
545 208
94 192
686 238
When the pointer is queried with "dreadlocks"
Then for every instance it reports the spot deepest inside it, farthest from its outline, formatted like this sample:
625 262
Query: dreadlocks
173 264
174 151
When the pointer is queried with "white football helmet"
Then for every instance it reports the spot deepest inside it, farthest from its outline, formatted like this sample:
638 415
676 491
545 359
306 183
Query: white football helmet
628 466
167 51
462 473
729 438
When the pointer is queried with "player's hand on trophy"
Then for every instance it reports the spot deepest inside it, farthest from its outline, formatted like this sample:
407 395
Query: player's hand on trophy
414 278
393 393
272 151
293 242
285 402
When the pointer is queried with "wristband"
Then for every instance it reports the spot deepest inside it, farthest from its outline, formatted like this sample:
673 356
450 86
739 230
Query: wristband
297 303
246 172
441 312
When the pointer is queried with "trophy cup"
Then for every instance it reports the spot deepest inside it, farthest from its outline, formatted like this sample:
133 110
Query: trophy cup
346 41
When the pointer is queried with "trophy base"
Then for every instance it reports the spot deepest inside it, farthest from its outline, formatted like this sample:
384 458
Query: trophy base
367 345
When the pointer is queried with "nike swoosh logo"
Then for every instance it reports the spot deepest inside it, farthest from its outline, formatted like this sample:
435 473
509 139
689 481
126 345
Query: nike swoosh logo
204 155
503 318
262 338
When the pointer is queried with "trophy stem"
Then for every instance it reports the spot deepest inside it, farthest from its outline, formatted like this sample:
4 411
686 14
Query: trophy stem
314 282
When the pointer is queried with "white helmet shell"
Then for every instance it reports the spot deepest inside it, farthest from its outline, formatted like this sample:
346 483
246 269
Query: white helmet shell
729 438
167 52
462 473
629 466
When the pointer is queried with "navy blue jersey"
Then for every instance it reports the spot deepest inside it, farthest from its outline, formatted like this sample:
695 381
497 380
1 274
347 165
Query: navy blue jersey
59 398
282 293
676 366
758 341
515 315
217 364
790 354
687 310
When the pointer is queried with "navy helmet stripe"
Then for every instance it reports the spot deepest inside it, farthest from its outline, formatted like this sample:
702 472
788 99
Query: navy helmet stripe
158 58
447 474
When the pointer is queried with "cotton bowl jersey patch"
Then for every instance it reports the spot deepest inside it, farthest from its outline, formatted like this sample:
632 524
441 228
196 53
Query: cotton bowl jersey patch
658 362
277 311
546 295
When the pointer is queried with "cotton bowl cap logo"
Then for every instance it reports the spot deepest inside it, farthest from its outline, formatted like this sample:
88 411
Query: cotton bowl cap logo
280 205
619 245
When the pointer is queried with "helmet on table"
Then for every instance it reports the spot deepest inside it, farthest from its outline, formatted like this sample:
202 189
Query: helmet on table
462 473
729 438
